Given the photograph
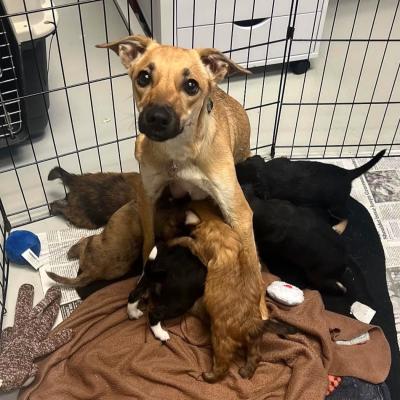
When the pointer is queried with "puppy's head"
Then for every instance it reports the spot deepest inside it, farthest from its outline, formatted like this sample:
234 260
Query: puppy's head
171 85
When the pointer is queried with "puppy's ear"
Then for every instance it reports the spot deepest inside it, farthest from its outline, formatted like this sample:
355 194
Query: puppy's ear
191 218
129 49
219 65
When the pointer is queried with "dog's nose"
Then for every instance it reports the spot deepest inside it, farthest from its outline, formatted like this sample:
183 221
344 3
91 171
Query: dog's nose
159 117
159 122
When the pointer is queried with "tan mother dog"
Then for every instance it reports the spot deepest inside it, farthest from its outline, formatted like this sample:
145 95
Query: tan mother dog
192 133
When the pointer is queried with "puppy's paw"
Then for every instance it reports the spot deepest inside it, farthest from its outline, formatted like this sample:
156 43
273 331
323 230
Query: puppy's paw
159 332
133 311
211 377
246 372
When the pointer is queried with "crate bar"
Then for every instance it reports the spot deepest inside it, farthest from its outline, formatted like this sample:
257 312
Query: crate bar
341 75
284 71
44 101
304 80
386 108
264 77
379 74
4 264
248 55
89 86
110 79
323 74
231 43
394 136
39 10
321 146
65 88
347 40
68 153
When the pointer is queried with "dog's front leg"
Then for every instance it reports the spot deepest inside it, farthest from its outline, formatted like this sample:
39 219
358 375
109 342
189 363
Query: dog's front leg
153 185
237 213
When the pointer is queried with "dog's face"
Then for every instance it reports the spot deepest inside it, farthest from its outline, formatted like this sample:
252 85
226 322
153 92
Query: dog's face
171 85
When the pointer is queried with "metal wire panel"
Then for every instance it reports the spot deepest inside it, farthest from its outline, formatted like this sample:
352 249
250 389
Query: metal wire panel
345 105
348 103
4 264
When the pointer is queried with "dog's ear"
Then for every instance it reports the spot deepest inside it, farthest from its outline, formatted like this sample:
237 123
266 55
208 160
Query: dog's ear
129 49
191 218
219 65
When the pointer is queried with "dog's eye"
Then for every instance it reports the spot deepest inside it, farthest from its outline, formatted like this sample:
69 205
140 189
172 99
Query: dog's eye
143 79
191 87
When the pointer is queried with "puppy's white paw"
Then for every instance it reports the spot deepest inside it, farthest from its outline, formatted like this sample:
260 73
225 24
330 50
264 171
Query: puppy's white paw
153 254
133 311
159 332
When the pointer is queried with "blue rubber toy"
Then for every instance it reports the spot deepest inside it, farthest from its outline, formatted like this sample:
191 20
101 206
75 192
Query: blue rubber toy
19 241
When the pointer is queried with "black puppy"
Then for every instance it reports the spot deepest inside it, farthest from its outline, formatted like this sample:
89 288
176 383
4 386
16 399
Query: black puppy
304 183
301 238
173 279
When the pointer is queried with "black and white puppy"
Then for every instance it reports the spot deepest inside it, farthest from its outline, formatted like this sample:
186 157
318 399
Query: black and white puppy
304 183
301 238
173 279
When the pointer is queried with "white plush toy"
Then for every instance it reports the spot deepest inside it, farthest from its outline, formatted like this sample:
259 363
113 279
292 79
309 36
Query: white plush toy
285 293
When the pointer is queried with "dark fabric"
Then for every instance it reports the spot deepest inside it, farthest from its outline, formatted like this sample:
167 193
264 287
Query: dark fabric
356 389
366 248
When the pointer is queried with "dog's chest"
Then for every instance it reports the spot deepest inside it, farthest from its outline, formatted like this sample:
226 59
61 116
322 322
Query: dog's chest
187 178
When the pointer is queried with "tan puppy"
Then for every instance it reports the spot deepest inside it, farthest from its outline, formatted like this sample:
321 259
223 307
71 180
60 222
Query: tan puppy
233 290
111 253
192 133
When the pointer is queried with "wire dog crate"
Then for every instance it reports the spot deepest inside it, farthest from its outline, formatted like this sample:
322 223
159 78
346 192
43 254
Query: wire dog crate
10 115
346 105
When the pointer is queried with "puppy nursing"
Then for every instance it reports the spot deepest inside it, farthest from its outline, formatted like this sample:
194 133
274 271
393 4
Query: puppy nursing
233 291
173 279
304 183
111 253
298 236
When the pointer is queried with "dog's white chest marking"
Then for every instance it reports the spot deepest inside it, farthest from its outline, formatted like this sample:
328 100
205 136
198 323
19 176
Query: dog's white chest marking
188 178
159 332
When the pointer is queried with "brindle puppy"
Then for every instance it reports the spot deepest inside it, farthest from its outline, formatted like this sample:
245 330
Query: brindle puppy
111 254
93 198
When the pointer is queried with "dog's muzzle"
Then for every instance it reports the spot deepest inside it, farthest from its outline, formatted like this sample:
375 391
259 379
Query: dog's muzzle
159 122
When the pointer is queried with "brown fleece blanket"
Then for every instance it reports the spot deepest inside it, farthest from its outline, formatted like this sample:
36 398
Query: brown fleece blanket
110 357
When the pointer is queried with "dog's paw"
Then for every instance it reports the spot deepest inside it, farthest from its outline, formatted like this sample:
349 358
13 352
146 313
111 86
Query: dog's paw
159 332
133 311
